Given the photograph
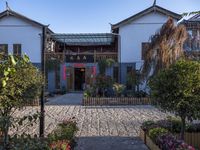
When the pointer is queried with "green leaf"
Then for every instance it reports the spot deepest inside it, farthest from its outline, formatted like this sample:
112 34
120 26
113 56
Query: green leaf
13 60
3 83
26 58
6 73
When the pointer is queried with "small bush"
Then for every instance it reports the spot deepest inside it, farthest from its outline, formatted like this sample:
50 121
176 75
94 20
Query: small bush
156 132
172 124
147 125
65 132
118 88
26 142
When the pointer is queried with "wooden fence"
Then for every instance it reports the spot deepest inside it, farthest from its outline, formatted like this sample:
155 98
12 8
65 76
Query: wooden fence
33 103
99 101
192 138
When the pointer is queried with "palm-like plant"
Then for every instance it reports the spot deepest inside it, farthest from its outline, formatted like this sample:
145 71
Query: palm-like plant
105 63
165 48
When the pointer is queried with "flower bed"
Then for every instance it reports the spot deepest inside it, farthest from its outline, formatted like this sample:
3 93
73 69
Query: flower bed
156 132
95 101
62 138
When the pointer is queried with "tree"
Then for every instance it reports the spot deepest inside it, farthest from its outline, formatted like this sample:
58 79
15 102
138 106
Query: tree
103 82
105 63
165 48
134 79
20 84
177 89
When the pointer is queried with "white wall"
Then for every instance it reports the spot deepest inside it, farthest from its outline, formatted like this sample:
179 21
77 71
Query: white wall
18 31
136 32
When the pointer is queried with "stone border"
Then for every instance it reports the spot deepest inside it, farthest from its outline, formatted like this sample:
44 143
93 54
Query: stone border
147 140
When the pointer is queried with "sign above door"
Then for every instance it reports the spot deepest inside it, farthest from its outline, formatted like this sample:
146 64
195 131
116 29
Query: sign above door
79 58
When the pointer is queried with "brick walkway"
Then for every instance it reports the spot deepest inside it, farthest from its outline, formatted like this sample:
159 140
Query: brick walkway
100 128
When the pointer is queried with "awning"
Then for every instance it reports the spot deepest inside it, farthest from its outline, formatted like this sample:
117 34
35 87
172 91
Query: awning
85 39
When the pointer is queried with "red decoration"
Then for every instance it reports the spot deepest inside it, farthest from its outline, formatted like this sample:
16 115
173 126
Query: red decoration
64 72
79 65
94 70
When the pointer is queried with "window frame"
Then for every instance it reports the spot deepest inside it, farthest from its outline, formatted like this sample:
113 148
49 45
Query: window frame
18 51
5 50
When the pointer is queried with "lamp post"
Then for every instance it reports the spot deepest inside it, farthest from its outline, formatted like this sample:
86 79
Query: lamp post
42 111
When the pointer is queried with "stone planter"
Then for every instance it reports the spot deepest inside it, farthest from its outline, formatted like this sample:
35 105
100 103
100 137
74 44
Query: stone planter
151 145
147 140
143 135
192 139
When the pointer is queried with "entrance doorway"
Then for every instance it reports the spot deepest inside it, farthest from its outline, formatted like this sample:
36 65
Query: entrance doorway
79 79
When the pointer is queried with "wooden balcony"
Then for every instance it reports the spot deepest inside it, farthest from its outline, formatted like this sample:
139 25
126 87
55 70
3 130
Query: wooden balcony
97 56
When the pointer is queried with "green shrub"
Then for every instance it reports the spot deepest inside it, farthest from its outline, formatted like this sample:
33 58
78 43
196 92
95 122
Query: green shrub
176 90
90 92
156 132
65 131
26 142
147 125
176 124
118 88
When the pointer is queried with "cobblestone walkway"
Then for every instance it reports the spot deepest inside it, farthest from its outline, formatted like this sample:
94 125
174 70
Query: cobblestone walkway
100 128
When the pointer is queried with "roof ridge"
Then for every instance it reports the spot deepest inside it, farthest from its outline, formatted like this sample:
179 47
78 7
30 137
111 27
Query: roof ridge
141 13
16 14
194 17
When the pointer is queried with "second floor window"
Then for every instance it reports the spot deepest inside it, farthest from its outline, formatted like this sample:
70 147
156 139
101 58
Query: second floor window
17 49
4 49
145 47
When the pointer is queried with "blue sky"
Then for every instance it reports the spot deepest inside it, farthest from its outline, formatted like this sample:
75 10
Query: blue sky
88 16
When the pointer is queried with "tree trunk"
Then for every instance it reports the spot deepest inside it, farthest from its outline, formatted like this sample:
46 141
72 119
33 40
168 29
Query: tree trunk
182 128
5 131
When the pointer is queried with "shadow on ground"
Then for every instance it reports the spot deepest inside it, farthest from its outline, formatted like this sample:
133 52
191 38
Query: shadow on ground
110 143
67 99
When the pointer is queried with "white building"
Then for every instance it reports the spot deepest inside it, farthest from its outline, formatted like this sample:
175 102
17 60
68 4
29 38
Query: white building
135 31
19 34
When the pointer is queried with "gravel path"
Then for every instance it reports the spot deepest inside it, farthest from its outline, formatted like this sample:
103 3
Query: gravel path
100 128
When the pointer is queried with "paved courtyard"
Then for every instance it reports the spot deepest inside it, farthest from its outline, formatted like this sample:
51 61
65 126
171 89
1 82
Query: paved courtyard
100 128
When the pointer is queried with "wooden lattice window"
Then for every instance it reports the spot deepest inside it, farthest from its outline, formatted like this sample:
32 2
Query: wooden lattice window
4 49
17 49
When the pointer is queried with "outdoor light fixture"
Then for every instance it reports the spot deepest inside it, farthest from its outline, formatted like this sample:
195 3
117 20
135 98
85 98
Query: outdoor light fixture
82 70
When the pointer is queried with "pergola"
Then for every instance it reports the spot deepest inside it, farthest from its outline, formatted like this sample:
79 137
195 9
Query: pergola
97 45
85 39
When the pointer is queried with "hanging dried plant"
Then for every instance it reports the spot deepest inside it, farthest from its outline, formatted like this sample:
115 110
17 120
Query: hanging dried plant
165 48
